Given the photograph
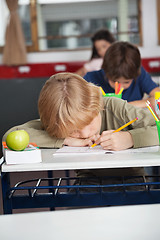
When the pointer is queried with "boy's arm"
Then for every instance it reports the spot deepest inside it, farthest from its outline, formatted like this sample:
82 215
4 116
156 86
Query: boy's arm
37 135
143 131
151 98
145 137
147 86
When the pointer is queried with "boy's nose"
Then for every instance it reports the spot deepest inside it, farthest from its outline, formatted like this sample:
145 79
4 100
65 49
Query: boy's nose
85 133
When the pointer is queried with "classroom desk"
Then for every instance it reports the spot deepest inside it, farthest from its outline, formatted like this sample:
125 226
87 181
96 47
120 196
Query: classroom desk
144 157
123 223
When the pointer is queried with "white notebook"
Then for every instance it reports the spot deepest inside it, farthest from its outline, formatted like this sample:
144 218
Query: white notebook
99 150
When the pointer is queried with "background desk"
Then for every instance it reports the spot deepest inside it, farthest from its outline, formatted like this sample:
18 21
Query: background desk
124 223
55 198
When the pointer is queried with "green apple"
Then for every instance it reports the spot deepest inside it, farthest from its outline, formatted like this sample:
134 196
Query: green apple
17 140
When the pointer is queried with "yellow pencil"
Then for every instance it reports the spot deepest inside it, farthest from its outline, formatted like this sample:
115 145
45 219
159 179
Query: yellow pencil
93 145
120 91
103 93
125 125
119 129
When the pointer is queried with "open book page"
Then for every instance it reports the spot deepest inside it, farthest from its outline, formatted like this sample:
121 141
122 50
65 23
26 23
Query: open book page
99 150
79 150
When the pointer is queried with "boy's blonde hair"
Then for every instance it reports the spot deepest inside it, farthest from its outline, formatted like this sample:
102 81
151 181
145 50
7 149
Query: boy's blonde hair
67 102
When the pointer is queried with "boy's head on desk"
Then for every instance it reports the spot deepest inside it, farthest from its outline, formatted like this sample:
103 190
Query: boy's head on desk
70 106
74 112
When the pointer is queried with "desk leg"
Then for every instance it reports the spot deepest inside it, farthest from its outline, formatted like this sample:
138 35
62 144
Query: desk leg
50 183
67 175
7 202
156 172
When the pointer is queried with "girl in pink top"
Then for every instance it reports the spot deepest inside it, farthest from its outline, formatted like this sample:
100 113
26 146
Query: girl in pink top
101 41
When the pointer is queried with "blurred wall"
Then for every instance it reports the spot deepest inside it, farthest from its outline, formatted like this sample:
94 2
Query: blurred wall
18 99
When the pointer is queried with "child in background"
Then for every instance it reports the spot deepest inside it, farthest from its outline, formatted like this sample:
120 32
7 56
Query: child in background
122 63
74 113
101 40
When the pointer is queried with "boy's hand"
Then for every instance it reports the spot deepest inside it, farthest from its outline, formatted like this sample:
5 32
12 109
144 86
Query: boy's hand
80 142
77 142
115 141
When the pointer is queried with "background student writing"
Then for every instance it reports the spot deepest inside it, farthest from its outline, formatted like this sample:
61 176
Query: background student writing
101 41
122 63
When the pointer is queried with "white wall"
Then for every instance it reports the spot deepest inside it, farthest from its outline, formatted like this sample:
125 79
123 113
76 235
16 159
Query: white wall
149 49
150 46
